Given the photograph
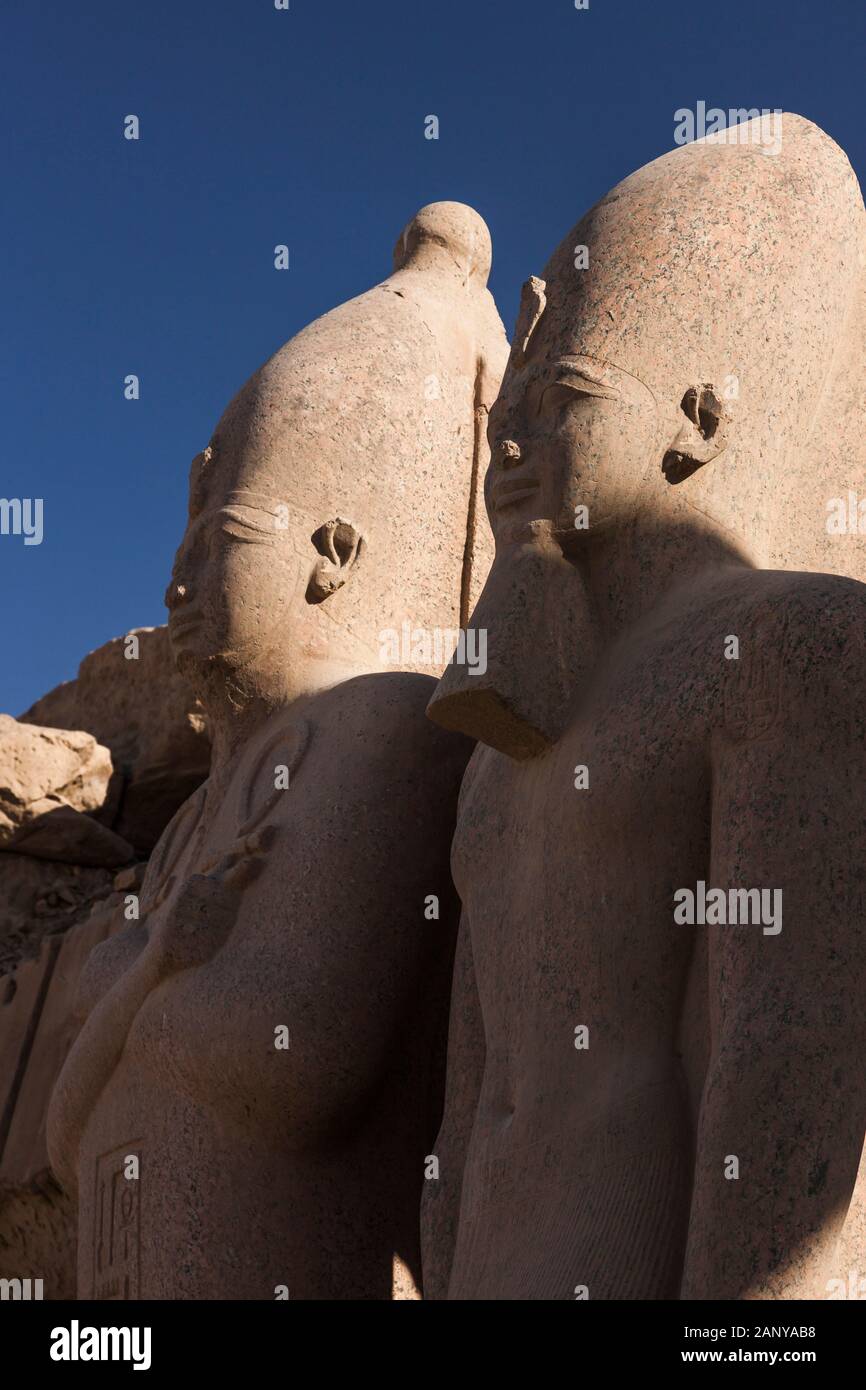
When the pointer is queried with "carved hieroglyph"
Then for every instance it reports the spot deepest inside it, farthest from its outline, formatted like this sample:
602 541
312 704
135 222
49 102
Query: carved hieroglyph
267 1041
640 1106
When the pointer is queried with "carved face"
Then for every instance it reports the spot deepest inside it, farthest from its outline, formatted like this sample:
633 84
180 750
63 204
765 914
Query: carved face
567 434
240 573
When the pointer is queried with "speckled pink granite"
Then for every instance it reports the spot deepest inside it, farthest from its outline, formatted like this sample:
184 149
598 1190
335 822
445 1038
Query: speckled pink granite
640 1108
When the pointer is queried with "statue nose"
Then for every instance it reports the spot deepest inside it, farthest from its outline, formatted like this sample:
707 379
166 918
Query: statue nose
509 453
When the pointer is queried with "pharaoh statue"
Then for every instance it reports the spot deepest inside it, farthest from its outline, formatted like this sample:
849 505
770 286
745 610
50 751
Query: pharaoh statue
247 1108
655 1084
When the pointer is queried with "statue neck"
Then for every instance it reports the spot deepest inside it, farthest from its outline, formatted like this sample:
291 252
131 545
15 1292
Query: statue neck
627 573
237 705
550 618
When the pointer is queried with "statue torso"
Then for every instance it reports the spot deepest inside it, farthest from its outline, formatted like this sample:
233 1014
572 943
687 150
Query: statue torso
266 1165
570 898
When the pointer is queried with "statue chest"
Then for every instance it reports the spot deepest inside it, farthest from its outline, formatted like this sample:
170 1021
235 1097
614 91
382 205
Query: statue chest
567 865
282 932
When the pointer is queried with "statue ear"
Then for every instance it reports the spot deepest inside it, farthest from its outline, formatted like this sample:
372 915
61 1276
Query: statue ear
702 436
339 544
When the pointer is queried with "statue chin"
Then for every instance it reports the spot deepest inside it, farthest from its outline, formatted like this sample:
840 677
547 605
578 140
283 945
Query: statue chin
534 612
218 679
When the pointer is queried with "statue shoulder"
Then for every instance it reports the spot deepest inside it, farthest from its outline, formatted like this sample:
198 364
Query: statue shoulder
795 654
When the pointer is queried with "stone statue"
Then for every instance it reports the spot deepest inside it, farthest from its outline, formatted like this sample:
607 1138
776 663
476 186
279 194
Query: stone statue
247 1109
90 776
655 1079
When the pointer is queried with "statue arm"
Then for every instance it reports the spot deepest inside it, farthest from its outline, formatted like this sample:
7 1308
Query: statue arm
780 1129
440 1207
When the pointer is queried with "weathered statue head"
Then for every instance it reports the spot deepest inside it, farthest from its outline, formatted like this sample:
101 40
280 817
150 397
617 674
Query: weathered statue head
336 497
688 363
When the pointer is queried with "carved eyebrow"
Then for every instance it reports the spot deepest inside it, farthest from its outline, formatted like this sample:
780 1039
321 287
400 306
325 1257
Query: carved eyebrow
276 507
580 383
579 366
235 514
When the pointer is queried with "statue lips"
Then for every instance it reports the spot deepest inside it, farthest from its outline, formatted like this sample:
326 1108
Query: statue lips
181 625
513 490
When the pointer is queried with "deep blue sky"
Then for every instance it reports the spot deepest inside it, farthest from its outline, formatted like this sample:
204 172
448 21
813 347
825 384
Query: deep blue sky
305 127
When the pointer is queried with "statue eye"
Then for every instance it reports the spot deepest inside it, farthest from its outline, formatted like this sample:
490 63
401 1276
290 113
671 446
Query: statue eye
570 391
561 393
